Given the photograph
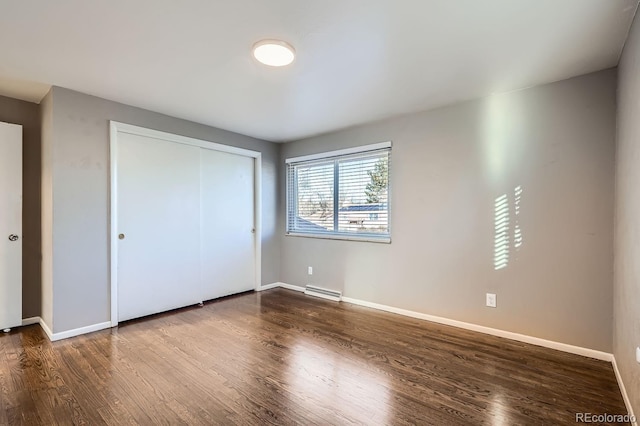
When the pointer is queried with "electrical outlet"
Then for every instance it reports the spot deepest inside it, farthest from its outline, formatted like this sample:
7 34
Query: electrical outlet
310 272
638 354
491 300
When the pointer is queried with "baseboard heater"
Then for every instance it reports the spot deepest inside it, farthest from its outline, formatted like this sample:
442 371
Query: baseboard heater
324 293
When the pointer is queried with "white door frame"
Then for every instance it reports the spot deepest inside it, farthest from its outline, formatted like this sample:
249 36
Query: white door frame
116 128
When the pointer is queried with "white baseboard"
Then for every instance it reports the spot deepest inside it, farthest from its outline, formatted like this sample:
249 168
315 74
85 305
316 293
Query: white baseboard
623 390
78 331
268 286
578 350
46 329
64 334
30 321
291 287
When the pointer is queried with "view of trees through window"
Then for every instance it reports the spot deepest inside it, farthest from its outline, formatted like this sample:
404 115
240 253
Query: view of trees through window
362 185
315 195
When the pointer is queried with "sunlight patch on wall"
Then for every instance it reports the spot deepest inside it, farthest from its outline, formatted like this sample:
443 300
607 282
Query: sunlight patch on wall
501 239
503 122
504 238
497 128
517 232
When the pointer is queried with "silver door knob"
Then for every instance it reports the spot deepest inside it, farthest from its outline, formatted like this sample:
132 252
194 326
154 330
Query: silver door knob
13 237
121 236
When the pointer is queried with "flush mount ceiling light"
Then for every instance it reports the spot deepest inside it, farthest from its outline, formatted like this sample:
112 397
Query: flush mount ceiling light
275 53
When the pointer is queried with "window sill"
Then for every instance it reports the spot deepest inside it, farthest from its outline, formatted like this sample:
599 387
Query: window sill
363 238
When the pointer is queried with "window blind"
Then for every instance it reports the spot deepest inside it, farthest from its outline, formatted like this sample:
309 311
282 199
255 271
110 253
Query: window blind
340 194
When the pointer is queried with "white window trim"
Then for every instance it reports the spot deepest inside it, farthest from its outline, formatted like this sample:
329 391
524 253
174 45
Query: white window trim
384 239
340 152
335 236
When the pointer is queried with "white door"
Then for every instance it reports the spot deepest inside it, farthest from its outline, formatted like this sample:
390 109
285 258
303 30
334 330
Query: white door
158 225
10 225
228 234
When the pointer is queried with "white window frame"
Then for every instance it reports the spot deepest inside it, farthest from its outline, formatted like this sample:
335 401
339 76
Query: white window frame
336 235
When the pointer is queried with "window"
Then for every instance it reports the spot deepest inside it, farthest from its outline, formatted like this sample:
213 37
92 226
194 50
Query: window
340 194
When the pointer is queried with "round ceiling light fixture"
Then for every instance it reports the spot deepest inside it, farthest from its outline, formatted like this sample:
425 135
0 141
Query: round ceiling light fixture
275 53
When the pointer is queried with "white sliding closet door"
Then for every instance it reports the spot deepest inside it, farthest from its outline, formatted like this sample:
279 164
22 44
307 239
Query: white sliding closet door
158 216
183 221
228 235
10 225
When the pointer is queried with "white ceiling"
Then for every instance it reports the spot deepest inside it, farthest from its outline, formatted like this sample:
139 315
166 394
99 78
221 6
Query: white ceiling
358 60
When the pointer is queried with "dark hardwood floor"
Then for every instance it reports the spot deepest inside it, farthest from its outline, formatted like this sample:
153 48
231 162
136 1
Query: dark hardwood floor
279 357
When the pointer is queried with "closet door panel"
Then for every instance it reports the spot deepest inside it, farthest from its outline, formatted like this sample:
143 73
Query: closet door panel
158 187
228 237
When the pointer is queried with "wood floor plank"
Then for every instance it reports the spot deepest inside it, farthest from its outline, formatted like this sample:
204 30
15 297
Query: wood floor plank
279 357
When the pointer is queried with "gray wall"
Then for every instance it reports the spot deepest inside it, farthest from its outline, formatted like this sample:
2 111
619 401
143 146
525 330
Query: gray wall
27 114
80 170
626 289
557 142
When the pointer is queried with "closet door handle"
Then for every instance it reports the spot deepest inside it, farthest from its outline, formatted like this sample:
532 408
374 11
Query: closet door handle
13 237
